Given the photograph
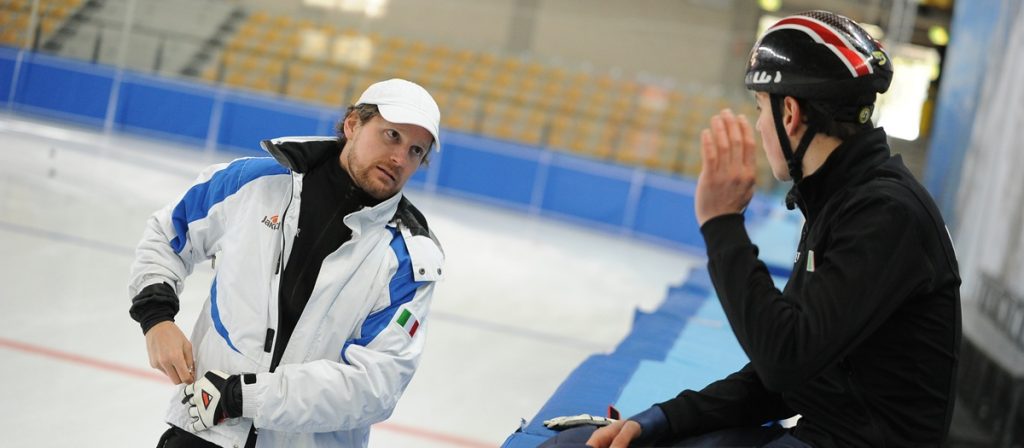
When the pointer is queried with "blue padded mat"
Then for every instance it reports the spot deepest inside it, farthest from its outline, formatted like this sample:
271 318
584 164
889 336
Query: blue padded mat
685 344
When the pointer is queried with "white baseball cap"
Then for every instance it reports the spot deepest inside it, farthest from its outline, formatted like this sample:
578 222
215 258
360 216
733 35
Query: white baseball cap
405 102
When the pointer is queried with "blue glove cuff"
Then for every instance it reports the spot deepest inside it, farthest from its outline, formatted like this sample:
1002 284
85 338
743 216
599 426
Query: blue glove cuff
653 425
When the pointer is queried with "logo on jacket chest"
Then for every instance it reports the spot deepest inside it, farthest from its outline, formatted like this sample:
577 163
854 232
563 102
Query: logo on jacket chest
272 222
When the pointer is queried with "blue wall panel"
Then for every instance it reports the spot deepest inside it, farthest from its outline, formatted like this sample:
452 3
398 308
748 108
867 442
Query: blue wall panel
420 176
7 61
424 172
245 123
669 215
589 195
65 90
162 107
497 175
963 72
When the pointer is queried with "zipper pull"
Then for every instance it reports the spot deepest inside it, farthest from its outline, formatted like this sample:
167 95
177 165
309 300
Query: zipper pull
269 342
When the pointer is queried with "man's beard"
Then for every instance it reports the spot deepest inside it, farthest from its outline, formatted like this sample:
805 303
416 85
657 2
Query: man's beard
361 177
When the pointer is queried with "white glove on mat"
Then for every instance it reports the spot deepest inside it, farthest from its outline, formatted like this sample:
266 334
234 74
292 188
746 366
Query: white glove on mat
570 421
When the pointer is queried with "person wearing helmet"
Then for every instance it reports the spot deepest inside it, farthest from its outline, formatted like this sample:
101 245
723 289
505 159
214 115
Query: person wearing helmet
863 341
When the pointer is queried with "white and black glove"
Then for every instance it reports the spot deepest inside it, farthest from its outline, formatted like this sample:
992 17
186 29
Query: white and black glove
572 421
212 399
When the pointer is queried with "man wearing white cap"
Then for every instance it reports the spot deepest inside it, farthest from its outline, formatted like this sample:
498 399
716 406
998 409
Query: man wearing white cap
324 274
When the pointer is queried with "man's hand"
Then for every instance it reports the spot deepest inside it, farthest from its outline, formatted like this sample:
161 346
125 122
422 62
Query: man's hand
206 400
616 435
728 171
170 352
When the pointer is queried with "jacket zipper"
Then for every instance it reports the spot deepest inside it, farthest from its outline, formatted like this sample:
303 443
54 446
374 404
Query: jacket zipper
275 301
284 214
268 347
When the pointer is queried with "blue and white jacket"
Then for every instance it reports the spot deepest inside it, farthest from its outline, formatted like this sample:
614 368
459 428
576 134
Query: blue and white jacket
350 356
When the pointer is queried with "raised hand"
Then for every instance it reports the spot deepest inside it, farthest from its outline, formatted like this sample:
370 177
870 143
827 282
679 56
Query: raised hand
728 171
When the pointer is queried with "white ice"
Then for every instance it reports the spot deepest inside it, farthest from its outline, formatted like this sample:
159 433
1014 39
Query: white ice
525 300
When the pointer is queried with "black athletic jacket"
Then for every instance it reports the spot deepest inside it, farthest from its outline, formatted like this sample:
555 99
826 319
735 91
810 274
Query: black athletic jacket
864 341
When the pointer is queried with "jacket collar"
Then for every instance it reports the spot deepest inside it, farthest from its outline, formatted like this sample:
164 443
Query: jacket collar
373 217
300 154
848 165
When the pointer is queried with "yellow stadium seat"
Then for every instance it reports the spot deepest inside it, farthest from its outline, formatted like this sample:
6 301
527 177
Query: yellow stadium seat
463 56
261 83
259 17
395 43
455 71
440 52
333 98
560 140
9 36
309 92
480 73
510 64
417 46
487 59
235 79
209 73
530 136
281 22
317 77
536 118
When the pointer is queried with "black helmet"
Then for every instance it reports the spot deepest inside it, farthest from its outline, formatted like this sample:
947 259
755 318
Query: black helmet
824 58
819 55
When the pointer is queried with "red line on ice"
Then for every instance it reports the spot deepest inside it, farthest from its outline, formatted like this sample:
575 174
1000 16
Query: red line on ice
160 378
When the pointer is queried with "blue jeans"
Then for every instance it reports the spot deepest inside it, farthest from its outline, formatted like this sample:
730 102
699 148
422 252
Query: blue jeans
759 437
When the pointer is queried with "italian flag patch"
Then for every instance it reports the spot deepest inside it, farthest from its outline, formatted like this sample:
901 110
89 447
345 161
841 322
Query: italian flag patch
408 322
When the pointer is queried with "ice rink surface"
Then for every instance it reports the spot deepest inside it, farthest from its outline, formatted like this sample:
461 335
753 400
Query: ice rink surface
525 299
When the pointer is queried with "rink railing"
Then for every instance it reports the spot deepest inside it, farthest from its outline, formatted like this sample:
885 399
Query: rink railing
536 180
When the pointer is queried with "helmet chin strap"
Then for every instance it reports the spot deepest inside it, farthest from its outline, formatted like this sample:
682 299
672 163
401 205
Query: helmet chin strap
793 158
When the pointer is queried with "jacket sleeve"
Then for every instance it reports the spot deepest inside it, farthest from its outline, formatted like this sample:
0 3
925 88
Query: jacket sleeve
375 366
738 400
182 234
871 262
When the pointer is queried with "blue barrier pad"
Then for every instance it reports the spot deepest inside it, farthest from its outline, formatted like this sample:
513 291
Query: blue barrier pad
523 440
777 239
655 382
65 89
589 389
601 379
707 345
652 336
499 171
155 105
246 121
8 59
704 351
588 190
665 210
